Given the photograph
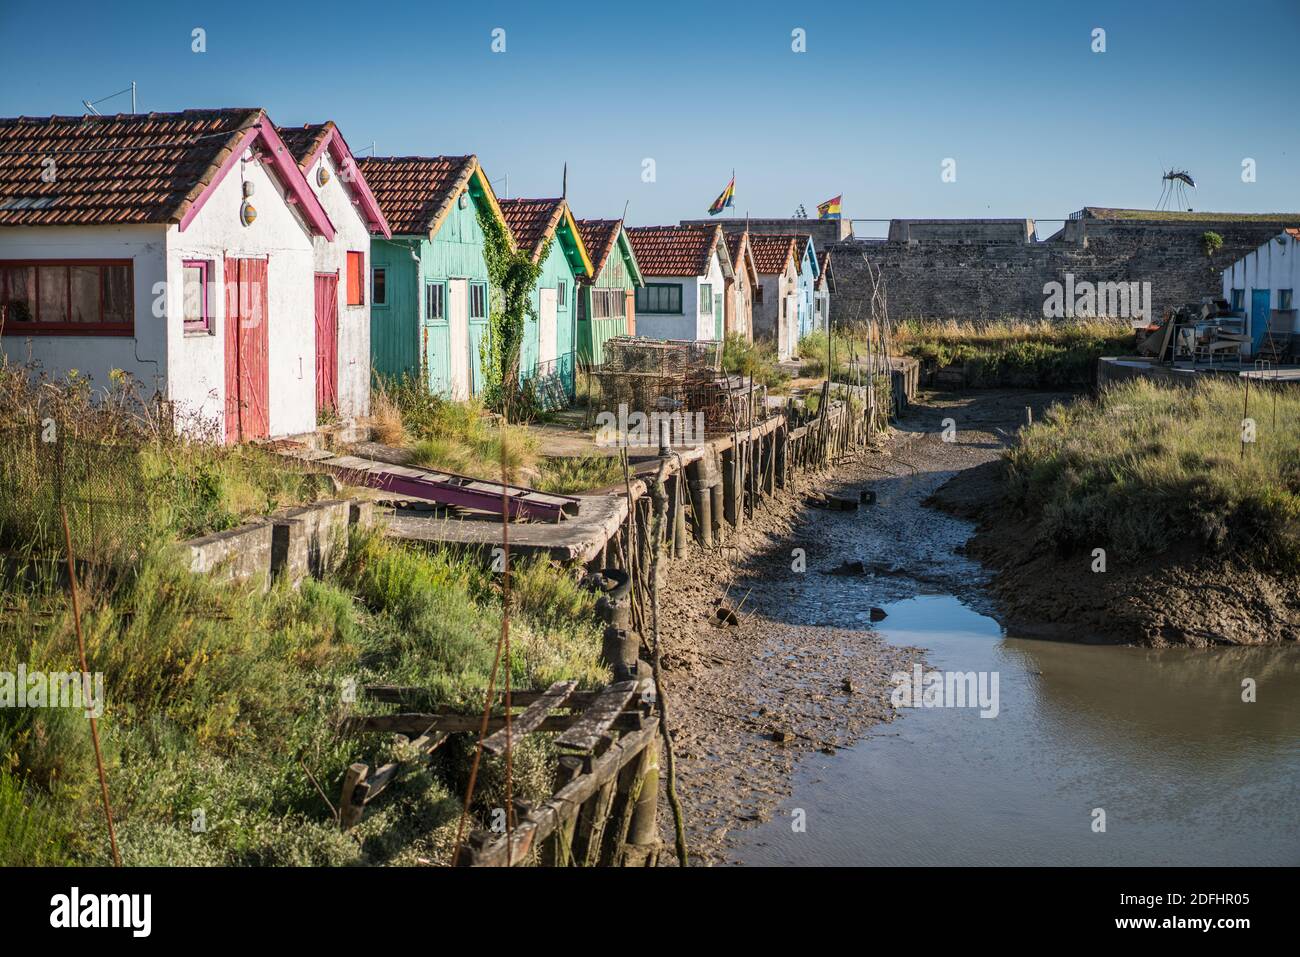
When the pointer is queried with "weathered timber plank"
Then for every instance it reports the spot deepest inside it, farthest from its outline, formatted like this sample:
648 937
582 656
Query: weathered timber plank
417 723
376 783
533 716
565 803
401 694
599 716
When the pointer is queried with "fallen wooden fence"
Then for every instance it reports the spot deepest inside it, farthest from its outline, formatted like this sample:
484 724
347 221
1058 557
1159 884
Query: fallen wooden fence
604 808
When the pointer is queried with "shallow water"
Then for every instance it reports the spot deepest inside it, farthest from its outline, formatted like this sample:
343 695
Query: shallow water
1186 773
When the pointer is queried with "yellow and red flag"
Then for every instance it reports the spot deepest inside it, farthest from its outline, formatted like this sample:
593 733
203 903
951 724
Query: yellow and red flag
830 209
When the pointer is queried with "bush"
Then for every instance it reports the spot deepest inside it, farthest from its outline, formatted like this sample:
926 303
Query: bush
1146 467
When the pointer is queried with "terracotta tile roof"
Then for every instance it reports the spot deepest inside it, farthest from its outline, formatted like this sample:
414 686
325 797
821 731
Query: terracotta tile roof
742 255
141 168
600 236
416 192
823 268
771 251
532 221
801 241
305 141
674 250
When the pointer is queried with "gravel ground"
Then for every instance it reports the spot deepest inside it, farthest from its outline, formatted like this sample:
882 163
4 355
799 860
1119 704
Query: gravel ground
803 672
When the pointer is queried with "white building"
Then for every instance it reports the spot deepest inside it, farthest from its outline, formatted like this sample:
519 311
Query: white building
1261 286
776 298
342 310
178 248
685 269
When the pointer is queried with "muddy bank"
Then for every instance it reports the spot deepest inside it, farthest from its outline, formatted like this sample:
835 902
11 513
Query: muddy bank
1182 597
790 683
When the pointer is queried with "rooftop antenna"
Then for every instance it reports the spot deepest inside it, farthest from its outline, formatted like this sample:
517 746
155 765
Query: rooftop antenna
370 149
506 180
624 219
90 105
564 183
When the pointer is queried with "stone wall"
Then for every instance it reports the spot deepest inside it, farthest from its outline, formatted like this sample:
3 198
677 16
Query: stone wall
823 231
978 274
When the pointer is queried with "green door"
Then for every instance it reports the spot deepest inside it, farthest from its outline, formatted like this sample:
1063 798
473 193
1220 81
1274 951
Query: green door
717 316
435 338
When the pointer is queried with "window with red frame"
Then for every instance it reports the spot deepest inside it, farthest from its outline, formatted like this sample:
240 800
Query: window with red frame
60 296
198 311
356 278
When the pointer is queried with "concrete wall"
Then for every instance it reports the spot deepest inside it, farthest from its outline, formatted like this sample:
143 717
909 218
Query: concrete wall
981 279
143 355
769 321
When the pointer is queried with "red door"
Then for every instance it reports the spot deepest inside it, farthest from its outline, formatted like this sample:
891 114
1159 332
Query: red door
248 382
327 342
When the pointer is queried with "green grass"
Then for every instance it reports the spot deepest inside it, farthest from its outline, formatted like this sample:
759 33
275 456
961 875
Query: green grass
570 474
1145 468
126 478
219 696
1005 354
457 436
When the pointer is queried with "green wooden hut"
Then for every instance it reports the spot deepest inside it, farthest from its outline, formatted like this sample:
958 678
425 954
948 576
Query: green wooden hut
606 300
429 282
545 229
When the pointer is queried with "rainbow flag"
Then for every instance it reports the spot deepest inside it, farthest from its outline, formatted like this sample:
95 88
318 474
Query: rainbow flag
830 209
727 198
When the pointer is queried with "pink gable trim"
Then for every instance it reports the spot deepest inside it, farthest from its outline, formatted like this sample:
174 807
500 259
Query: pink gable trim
286 170
342 156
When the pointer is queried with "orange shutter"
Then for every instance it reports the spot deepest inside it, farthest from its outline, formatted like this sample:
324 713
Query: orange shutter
356 278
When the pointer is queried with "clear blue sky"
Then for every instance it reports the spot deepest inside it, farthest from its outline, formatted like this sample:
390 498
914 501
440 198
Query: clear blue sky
1039 124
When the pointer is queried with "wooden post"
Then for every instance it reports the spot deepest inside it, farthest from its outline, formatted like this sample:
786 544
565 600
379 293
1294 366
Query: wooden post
557 850
641 848
350 812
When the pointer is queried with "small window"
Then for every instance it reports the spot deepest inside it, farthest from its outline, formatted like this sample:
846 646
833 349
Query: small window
561 295
478 300
434 301
82 298
356 285
379 286
661 298
1238 300
706 299
198 316
1284 298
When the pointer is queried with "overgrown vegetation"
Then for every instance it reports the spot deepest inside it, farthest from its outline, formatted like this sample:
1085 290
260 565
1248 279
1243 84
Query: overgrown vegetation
1007 354
223 704
221 723
513 274
1146 468
580 473
441 434
121 466
740 356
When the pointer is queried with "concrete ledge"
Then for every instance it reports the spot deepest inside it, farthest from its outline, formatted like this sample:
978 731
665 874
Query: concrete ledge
237 554
297 541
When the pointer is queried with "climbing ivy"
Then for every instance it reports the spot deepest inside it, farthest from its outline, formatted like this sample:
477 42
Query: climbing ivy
513 276
1211 242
